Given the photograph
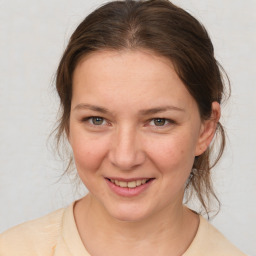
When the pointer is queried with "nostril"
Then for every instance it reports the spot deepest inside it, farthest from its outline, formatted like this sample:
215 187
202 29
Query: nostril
125 160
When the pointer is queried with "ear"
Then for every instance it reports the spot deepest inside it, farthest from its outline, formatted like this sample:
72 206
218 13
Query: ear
208 128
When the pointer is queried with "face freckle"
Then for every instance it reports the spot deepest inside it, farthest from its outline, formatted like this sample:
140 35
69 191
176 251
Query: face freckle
128 89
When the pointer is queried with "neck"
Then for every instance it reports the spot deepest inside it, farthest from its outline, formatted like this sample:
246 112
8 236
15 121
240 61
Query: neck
167 232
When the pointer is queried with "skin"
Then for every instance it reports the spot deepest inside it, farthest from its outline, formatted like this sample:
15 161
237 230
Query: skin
129 90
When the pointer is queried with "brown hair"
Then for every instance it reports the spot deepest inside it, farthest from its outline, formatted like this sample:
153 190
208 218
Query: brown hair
166 30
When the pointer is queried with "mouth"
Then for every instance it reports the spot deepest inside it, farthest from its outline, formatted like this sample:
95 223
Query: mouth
129 184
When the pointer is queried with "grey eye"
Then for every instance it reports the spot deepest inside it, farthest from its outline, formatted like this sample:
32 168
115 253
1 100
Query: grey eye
97 120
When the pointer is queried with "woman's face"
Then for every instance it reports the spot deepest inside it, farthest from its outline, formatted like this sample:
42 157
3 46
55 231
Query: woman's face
134 131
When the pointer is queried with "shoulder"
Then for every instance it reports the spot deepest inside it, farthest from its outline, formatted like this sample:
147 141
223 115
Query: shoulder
209 240
36 237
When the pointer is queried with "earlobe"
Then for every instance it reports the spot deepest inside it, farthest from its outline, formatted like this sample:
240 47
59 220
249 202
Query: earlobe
208 129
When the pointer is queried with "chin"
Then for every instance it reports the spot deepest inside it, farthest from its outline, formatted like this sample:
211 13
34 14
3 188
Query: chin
126 213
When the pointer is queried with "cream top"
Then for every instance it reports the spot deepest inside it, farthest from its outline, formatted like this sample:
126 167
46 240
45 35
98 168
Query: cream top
56 234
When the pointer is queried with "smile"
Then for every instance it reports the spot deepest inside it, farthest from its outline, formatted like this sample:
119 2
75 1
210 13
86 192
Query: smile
129 184
129 187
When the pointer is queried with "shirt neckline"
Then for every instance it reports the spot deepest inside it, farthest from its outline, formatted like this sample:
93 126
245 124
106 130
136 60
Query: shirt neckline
70 233
75 245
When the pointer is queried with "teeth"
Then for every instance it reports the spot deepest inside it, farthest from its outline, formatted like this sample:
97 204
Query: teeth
123 184
130 184
138 182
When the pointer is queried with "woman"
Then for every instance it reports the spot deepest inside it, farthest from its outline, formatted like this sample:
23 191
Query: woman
140 91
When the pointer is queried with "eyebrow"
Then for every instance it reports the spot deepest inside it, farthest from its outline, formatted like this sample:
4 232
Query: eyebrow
142 112
91 107
159 110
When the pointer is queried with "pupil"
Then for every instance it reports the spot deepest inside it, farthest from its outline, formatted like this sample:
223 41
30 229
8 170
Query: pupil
97 120
159 121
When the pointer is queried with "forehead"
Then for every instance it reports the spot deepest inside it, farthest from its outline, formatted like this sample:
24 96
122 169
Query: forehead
126 62
134 76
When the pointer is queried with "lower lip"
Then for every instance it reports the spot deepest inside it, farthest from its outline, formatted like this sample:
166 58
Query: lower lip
128 192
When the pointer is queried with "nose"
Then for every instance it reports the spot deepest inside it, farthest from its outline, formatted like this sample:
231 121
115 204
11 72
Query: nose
126 151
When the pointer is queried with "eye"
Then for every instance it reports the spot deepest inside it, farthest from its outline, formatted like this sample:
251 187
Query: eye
96 120
160 122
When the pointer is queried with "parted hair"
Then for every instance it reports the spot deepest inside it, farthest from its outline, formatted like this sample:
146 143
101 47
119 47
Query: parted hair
166 30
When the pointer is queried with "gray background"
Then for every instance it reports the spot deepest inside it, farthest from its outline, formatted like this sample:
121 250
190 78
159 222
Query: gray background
33 35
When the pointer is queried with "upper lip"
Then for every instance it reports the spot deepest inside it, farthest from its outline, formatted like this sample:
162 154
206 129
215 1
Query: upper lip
128 179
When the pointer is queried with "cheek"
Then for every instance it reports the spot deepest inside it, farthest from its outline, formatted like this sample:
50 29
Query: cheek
174 154
88 152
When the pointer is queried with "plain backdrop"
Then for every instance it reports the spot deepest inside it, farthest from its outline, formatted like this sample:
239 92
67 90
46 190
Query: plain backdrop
33 35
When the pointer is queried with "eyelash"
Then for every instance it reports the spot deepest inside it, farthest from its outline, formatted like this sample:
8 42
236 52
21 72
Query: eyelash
166 121
90 120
